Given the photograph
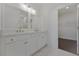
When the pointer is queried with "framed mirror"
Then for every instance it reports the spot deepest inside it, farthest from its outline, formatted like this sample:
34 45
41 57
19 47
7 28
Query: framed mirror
17 18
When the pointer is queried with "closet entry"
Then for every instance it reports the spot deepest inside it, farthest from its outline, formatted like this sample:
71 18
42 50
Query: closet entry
67 28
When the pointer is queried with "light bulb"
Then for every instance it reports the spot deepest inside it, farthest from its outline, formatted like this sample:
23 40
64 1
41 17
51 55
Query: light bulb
67 7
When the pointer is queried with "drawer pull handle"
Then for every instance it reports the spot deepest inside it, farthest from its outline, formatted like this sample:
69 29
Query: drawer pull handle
12 39
25 42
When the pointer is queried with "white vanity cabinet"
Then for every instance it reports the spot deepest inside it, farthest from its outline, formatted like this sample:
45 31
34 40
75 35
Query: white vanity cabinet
24 45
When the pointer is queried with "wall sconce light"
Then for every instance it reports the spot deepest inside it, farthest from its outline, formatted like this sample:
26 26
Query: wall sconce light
28 9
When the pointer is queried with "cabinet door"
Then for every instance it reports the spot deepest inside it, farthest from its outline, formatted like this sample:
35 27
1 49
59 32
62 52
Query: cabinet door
30 46
42 39
10 50
35 42
16 48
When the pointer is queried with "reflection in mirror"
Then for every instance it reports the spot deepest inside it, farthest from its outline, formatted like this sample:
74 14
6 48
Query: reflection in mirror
67 28
19 16
22 22
26 19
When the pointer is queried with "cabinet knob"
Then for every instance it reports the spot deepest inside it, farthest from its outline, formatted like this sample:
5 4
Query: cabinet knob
12 39
25 42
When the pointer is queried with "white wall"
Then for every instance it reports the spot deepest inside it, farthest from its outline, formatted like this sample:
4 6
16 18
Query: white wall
53 29
0 16
68 25
53 25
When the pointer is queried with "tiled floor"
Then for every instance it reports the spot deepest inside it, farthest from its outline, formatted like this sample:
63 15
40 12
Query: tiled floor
53 52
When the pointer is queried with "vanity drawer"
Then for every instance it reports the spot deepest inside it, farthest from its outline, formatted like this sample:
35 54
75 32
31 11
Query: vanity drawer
9 40
14 39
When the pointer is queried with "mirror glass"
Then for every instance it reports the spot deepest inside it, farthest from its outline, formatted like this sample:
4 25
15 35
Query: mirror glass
17 18
67 28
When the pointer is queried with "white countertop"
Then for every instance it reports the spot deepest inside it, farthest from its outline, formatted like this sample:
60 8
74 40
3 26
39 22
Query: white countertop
22 33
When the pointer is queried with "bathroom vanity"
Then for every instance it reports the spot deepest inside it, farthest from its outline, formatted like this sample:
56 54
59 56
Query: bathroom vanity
23 44
18 37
